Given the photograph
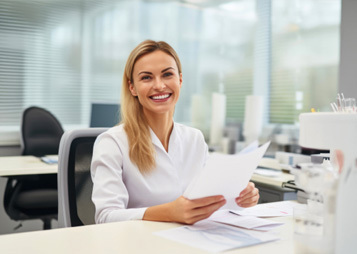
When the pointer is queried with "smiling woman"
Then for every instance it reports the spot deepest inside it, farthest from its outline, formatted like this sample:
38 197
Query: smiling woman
152 72
141 167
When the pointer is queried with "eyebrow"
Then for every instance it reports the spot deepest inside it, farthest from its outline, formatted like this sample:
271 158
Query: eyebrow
147 72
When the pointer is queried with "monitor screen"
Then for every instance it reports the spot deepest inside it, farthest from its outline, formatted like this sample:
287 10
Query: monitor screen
105 115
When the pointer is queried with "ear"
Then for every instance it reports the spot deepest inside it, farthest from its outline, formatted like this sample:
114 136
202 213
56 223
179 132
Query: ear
132 89
180 79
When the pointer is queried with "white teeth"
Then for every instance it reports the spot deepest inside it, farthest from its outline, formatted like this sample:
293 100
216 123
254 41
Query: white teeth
160 97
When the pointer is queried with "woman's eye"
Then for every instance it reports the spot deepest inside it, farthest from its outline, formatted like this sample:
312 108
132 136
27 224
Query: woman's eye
167 74
145 78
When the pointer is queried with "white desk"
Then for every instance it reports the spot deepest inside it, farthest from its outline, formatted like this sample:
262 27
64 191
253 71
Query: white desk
28 165
126 237
270 187
25 165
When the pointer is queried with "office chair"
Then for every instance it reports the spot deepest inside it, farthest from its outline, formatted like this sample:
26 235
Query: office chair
75 206
35 196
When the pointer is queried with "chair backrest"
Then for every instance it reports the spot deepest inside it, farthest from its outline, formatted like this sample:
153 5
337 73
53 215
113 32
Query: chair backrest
75 206
41 132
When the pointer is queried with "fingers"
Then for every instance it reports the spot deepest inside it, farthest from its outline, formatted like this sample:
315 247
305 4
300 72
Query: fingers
203 212
249 199
250 187
208 206
199 209
201 202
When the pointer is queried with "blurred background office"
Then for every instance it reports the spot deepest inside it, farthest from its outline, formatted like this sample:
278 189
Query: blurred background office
67 55
63 55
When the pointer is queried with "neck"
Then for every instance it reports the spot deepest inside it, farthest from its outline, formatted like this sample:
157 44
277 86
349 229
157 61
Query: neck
161 125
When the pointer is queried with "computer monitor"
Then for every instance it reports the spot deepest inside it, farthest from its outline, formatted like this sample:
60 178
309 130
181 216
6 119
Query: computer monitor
105 114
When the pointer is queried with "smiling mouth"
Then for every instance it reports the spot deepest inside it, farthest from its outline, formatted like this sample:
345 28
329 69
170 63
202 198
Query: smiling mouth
161 97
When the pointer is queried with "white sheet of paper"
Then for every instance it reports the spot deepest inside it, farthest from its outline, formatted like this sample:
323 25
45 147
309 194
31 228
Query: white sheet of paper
216 237
249 222
273 209
251 147
225 175
268 172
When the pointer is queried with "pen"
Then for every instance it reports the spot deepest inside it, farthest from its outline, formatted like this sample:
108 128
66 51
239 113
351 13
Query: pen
343 102
334 106
338 102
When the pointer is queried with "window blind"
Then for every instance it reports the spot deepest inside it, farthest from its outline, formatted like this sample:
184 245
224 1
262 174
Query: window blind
37 66
305 57
63 55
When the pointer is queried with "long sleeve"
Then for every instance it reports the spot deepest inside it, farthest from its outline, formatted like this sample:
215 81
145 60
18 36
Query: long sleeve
110 194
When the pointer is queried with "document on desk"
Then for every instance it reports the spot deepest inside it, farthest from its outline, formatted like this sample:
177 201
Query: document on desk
50 159
273 209
226 175
248 222
215 237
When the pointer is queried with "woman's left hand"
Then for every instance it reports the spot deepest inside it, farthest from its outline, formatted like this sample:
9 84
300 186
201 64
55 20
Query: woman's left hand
249 196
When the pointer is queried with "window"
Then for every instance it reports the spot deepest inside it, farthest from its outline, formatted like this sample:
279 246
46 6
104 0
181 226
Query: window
305 57
64 55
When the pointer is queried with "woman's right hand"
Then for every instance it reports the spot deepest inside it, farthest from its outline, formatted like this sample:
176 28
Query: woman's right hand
188 211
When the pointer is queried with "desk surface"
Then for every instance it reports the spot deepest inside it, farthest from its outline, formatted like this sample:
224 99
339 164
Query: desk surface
30 165
126 237
25 165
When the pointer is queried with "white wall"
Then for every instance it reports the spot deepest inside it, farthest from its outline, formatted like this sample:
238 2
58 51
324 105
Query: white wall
348 46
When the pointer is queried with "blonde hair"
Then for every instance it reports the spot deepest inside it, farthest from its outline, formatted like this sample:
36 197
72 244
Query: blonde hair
141 149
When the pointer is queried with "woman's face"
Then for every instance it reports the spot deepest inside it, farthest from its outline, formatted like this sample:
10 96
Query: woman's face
156 82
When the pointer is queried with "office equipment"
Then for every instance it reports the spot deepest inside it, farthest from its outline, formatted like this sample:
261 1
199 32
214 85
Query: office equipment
291 159
253 118
35 196
74 180
126 237
337 132
272 189
319 158
104 115
218 119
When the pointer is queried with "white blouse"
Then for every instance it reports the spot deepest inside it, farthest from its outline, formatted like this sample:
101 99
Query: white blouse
121 192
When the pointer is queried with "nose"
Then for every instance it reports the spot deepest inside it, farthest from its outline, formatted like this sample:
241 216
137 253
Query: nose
159 84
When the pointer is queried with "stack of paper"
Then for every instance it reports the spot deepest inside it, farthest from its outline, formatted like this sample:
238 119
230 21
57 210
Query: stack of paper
274 209
248 222
215 237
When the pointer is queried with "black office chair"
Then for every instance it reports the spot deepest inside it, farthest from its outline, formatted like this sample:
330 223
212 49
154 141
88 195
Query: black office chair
35 196
75 206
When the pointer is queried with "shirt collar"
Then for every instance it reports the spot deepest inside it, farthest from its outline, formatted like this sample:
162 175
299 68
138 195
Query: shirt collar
156 141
